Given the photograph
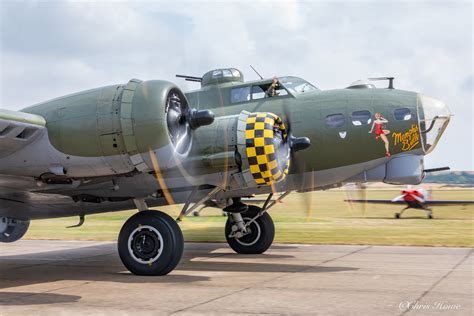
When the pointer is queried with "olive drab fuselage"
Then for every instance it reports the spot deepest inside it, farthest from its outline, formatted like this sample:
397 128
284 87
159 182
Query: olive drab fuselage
146 143
107 146
331 147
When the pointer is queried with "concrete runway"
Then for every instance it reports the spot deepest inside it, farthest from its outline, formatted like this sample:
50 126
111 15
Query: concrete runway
78 277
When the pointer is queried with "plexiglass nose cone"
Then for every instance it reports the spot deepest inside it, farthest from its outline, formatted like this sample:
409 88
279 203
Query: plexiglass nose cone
433 116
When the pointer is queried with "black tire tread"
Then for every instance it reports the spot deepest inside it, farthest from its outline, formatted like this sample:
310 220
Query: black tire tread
170 231
17 233
267 235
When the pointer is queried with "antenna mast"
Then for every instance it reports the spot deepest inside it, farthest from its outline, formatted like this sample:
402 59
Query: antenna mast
256 72
390 81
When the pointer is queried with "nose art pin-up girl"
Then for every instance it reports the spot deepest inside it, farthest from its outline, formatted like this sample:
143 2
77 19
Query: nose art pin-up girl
380 132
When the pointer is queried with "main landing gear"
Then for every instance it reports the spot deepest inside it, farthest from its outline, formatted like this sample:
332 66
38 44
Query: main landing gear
250 232
150 243
250 229
12 229
429 212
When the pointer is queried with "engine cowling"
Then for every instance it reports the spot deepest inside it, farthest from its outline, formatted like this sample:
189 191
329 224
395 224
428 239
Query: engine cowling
263 143
245 150
121 125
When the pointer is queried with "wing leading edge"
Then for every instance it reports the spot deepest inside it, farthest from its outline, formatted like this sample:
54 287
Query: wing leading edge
376 201
17 130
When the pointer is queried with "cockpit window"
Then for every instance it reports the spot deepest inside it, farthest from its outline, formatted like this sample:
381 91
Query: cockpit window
402 114
263 91
296 85
279 92
240 95
257 93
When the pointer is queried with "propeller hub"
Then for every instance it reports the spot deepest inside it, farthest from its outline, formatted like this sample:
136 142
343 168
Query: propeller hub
200 118
181 120
299 143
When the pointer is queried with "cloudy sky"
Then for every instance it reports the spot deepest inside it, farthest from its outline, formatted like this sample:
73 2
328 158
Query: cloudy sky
52 48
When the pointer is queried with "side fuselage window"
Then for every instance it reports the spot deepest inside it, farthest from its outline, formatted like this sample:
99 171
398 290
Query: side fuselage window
361 118
402 114
240 95
335 120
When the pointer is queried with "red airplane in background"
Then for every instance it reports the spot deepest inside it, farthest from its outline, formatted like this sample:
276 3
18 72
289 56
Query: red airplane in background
416 199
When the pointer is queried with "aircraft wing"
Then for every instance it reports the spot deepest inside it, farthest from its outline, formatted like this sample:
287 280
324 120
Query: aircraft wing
427 202
376 201
17 130
448 202
254 201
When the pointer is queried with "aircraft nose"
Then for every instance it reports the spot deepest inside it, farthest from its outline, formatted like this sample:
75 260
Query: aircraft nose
434 117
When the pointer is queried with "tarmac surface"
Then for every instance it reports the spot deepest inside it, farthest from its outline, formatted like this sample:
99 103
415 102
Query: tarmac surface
81 277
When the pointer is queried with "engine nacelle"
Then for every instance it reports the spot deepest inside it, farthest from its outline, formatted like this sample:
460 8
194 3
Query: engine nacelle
245 150
121 125
12 229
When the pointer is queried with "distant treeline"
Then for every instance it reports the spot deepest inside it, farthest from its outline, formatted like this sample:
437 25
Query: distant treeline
450 177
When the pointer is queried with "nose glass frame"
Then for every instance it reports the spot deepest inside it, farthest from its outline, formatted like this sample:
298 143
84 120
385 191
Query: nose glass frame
433 118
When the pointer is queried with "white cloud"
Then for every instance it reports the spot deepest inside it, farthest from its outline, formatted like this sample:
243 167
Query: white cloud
53 48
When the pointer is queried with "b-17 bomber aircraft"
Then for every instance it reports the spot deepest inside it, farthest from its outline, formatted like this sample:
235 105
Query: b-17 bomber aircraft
146 144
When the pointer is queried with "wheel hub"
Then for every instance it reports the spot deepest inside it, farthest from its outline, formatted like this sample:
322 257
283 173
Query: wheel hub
3 224
145 244
252 234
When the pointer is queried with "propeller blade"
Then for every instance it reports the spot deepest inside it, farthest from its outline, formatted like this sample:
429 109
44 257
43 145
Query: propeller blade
195 119
357 191
419 199
349 188
160 178
226 137
362 192
309 199
295 143
299 166
398 198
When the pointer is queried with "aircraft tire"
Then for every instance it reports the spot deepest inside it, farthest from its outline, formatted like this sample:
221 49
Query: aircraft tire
260 238
150 243
11 231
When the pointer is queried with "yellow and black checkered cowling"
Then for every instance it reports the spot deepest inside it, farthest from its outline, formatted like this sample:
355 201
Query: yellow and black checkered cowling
267 148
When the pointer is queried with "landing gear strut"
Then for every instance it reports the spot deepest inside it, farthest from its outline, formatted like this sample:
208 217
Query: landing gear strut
250 232
429 212
150 243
